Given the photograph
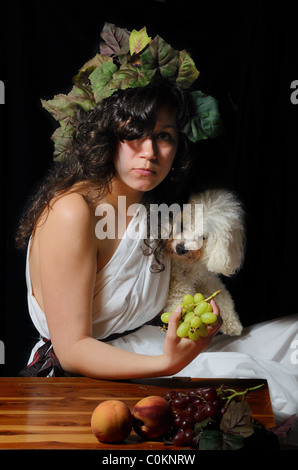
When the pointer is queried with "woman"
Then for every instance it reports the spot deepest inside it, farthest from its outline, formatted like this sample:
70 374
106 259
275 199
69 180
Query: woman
127 147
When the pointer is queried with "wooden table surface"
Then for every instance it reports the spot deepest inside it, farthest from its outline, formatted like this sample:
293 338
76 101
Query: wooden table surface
55 413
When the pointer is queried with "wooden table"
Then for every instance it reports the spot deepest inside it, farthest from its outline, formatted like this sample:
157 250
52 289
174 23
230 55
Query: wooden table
54 413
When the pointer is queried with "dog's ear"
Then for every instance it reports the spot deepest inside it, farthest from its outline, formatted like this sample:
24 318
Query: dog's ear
224 232
224 254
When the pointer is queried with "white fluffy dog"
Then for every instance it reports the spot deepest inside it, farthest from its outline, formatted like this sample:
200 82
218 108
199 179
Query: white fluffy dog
197 259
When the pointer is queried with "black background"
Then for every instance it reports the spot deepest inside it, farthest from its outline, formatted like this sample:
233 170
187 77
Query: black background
246 52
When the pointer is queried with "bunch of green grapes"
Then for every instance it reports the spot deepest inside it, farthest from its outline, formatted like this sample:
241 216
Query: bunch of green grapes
197 314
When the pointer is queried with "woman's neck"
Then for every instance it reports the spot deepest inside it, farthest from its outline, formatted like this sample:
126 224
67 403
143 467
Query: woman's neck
120 189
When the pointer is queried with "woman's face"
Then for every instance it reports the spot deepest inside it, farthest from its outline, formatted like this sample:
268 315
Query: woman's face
142 164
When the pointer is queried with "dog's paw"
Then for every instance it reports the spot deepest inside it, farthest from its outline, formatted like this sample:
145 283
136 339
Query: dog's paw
231 325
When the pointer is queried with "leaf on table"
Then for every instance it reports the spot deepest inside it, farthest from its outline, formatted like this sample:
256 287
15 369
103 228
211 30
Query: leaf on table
232 441
202 424
217 440
210 440
283 428
237 419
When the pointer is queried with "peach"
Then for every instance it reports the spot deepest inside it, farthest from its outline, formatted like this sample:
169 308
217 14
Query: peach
111 421
152 417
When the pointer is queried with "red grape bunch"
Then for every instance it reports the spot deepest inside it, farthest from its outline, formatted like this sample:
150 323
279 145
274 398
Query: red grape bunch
205 405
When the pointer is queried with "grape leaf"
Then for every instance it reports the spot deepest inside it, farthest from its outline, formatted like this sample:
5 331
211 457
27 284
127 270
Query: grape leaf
200 425
138 40
237 419
62 137
66 106
205 121
187 72
101 80
129 76
95 62
283 428
232 442
60 107
217 440
210 440
159 56
81 98
115 40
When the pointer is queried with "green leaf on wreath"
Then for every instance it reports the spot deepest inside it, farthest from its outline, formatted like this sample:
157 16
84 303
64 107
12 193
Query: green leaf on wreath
205 121
159 56
83 99
62 138
138 40
66 106
61 107
129 76
187 72
101 81
82 77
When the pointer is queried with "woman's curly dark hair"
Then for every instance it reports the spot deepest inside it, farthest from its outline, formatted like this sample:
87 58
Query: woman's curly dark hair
126 115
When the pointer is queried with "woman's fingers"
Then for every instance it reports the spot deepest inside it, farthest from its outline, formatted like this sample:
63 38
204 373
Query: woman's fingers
174 322
213 329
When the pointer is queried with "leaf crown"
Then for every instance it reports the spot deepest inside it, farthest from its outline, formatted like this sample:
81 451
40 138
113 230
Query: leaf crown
129 60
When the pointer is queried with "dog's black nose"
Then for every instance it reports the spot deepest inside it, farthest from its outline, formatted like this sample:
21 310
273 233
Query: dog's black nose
180 249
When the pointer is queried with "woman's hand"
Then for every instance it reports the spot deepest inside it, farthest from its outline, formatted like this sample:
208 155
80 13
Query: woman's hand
179 352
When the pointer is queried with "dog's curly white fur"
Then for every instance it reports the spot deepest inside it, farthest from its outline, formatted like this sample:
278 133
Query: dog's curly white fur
197 259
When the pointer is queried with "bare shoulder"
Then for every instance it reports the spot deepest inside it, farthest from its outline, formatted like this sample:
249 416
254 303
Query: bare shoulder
71 206
69 212
64 242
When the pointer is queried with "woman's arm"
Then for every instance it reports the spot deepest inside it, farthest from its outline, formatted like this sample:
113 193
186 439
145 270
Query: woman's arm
67 266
